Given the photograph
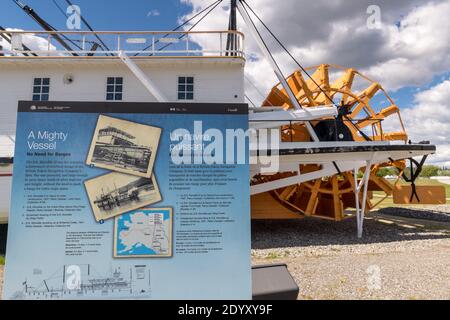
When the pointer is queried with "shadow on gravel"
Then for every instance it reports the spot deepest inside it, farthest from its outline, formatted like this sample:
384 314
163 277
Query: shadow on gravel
314 232
417 213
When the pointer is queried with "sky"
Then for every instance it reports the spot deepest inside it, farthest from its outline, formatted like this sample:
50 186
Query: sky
102 14
408 52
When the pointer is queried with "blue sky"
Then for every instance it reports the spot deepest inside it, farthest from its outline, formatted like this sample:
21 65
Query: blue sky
101 14
404 97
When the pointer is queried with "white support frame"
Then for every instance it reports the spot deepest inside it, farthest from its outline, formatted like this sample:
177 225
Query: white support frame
13 139
328 169
146 81
364 186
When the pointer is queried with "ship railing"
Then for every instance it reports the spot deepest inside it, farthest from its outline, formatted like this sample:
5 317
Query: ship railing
143 44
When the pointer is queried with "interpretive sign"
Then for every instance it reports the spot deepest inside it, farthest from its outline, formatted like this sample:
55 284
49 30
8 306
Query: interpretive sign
130 201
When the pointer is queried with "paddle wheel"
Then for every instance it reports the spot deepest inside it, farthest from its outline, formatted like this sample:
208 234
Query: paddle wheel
359 120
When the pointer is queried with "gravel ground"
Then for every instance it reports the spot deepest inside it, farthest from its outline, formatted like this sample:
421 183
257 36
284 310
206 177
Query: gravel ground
411 257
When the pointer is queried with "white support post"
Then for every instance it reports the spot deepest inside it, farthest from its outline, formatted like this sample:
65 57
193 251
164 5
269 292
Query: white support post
13 139
146 81
49 40
153 45
248 21
328 169
364 186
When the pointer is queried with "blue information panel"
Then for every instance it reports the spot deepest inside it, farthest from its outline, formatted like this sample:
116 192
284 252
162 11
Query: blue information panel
130 201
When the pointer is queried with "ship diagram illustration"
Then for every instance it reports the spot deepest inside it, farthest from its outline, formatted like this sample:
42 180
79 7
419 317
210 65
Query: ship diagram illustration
118 283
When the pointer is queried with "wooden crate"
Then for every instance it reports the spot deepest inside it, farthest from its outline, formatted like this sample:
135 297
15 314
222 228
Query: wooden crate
427 195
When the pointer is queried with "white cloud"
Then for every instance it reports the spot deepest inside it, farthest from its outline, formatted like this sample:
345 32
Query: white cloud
442 156
419 48
409 53
33 42
429 120
153 13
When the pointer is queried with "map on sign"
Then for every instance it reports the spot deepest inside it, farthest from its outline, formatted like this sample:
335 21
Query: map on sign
144 233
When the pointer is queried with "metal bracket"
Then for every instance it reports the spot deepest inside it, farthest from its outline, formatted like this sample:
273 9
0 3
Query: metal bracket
414 175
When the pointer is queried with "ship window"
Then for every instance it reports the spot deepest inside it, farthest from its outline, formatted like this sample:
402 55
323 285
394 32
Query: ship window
185 88
114 89
41 89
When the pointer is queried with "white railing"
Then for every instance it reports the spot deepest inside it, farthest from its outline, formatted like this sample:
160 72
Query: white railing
110 43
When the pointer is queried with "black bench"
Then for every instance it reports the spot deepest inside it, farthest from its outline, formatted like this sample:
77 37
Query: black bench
3 234
273 282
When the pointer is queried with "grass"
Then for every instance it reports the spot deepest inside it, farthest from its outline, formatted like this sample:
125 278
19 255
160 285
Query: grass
273 256
389 202
2 261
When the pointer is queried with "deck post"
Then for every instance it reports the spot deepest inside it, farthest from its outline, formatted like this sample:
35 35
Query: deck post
364 186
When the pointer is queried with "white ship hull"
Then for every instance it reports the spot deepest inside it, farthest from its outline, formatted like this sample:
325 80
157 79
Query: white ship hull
5 192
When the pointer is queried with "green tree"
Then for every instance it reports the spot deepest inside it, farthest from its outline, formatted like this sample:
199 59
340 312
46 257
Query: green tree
429 171
444 173
387 171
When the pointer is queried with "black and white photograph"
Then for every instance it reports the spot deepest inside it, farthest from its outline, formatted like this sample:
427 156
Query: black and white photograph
116 193
124 146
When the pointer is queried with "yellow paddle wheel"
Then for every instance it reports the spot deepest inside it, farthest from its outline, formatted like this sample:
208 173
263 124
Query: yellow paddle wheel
360 119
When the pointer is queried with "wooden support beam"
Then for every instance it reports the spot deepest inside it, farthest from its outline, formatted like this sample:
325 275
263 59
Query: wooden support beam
338 212
313 199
